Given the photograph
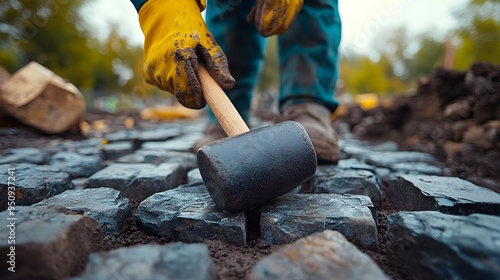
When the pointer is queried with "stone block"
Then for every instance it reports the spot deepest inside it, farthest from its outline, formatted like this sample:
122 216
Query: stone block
432 245
346 181
388 159
105 205
294 216
149 262
416 168
50 242
179 144
32 183
320 256
190 215
115 150
138 181
186 161
24 155
450 195
75 164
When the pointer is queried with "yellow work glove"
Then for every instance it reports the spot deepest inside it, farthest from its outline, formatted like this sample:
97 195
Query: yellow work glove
273 17
176 38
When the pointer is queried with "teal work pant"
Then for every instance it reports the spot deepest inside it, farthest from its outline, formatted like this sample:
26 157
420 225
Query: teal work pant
308 52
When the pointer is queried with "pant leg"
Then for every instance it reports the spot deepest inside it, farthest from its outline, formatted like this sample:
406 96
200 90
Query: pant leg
243 46
309 55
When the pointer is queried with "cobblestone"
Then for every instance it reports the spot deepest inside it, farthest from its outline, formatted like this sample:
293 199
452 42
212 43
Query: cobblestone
76 165
331 179
322 256
444 246
293 216
445 194
148 262
33 183
105 205
24 155
138 181
389 159
50 242
189 215
115 150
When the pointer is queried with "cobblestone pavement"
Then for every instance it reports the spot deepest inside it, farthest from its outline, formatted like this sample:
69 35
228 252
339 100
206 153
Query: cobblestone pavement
379 214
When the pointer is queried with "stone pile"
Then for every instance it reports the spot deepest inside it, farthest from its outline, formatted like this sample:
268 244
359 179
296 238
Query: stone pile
68 194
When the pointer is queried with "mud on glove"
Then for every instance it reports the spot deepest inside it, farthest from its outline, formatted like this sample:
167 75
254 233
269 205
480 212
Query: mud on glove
176 38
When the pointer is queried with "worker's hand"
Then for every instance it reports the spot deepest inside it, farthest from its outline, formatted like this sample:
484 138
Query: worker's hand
274 17
176 38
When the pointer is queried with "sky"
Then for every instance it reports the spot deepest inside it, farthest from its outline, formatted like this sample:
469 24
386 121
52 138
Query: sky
362 21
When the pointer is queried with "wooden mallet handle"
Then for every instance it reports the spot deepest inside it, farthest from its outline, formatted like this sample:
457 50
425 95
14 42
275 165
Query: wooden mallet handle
221 106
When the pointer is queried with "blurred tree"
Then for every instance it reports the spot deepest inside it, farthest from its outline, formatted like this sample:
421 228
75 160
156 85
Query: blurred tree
52 33
479 34
429 55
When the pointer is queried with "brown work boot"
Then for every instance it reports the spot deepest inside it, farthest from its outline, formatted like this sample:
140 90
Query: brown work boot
316 120
212 132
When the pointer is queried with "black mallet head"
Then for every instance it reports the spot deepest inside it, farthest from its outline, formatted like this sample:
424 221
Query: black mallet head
255 167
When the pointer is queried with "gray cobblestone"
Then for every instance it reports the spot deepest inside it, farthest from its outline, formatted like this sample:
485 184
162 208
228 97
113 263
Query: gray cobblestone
33 183
445 194
50 243
189 215
293 216
330 179
105 205
152 262
138 181
326 255
75 164
432 245
24 155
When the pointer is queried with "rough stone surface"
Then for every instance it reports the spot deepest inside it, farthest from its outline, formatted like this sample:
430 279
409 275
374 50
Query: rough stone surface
444 246
194 177
186 161
33 183
180 144
105 205
24 155
115 150
444 194
330 179
388 159
151 262
189 215
326 255
355 164
50 243
416 168
79 183
122 135
293 216
75 164
138 181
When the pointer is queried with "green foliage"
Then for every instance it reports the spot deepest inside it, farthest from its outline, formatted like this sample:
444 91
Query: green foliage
479 34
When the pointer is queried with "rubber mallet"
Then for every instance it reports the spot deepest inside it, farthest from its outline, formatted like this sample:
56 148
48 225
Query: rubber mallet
249 168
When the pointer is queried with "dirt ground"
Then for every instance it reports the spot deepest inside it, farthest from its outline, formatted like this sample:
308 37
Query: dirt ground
454 115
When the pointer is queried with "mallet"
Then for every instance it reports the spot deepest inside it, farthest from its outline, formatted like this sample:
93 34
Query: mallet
250 168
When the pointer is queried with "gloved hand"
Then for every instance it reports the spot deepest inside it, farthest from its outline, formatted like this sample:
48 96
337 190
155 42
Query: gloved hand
274 16
176 38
